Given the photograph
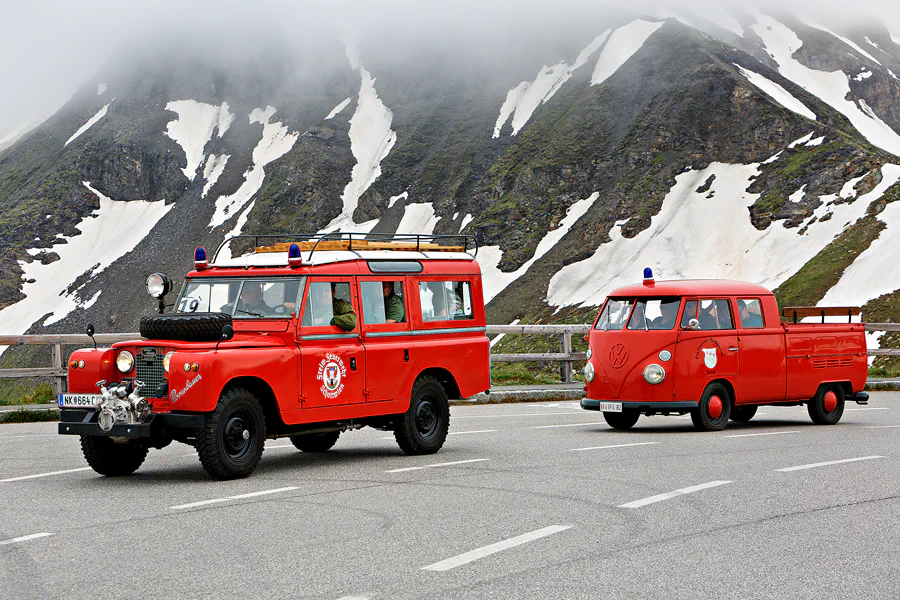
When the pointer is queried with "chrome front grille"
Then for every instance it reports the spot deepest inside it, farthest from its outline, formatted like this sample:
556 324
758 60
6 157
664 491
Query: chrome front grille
149 369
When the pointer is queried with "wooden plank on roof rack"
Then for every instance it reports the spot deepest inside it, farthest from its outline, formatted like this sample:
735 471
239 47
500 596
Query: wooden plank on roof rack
362 245
802 312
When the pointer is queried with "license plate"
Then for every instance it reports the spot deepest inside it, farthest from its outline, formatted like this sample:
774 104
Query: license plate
78 400
611 406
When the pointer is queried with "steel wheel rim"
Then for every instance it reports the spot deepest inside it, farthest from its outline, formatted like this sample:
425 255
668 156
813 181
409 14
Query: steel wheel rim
427 419
237 438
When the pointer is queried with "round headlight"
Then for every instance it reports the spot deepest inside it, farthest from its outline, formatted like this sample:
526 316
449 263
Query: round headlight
80 364
187 367
158 285
167 359
665 355
590 353
588 372
125 361
654 374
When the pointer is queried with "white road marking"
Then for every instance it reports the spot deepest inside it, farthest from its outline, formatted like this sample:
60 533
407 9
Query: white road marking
353 598
468 432
674 494
25 538
613 446
24 477
882 426
279 446
569 425
446 464
759 434
546 414
29 435
473 555
868 408
238 497
827 463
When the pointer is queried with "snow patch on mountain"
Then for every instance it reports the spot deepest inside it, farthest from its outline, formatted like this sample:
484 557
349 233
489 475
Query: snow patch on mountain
194 127
847 41
679 243
466 220
107 234
101 87
212 170
338 108
773 158
495 281
17 133
90 123
395 199
276 141
371 139
418 218
816 142
876 271
225 252
798 195
864 74
804 140
833 88
524 99
849 189
777 93
622 45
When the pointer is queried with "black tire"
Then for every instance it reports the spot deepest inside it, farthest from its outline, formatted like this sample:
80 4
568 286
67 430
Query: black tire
623 421
186 327
231 441
817 409
702 417
423 428
111 459
315 442
742 414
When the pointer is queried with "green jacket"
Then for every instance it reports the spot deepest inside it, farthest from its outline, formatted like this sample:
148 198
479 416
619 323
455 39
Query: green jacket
344 317
393 308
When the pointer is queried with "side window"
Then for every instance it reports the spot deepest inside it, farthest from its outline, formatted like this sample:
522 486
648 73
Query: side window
715 314
383 302
750 312
329 303
690 312
445 300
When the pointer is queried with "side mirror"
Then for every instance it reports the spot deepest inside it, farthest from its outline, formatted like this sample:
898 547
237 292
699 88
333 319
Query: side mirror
227 334
90 333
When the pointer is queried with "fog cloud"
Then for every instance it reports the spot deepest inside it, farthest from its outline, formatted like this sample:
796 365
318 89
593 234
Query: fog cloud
50 47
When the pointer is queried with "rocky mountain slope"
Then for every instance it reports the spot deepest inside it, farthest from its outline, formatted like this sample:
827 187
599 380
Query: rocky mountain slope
725 144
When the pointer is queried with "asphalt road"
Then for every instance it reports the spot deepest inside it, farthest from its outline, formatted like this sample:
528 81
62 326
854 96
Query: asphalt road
543 501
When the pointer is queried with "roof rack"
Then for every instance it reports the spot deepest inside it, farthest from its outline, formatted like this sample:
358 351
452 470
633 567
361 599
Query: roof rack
353 241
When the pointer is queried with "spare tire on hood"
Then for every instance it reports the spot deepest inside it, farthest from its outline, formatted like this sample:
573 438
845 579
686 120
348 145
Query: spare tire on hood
185 327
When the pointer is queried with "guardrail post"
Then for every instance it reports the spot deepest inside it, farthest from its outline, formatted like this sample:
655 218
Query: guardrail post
58 364
566 370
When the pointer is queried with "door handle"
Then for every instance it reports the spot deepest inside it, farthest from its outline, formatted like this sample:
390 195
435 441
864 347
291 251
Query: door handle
405 355
353 364
733 349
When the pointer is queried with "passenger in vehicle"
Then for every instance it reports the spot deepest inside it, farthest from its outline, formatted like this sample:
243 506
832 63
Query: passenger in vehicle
750 315
342 314
251 301
708 318
393 304
669 310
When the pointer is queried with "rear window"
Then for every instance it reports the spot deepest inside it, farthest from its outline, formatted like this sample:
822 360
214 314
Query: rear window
615 314
655 314
445 300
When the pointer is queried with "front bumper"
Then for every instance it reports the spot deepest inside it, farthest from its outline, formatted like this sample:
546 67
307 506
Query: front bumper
159 426
643 407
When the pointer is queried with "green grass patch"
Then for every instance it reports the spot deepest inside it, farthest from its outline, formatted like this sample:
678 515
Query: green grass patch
524 373
29 416
42 393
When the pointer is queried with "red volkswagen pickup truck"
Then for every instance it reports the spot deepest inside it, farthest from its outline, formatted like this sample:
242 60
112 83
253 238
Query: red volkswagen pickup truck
717 350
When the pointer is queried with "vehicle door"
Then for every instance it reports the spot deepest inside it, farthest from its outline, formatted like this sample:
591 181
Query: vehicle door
386 334
707 346
763 369
332 369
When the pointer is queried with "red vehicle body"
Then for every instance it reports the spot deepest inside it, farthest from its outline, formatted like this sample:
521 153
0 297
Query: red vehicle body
717 350
286 375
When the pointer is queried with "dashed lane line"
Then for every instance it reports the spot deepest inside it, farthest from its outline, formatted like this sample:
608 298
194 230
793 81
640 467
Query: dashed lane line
25 538
229 498
473 555
673 494
826 463
883 427
613 446
436 465
868 408
37 475
741 435
569 425
470 432
498 416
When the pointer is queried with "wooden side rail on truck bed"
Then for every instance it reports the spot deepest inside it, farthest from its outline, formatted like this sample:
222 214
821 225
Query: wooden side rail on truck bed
801 312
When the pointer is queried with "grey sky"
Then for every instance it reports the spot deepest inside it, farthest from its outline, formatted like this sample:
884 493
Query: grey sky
48 48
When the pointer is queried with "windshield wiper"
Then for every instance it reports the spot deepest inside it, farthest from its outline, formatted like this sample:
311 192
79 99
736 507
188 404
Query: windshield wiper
247 312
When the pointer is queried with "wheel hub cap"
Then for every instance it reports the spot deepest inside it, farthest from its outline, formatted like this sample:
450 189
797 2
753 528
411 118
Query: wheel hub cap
237 437
426 419
831 401
715 407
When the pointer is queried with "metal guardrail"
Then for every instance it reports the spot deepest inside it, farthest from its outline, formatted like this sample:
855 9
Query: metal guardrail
566 357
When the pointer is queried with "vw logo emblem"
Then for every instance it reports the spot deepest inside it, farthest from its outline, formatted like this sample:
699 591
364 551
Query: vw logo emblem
618 356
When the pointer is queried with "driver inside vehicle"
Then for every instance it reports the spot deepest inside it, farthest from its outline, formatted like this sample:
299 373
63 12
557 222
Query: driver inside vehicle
251 301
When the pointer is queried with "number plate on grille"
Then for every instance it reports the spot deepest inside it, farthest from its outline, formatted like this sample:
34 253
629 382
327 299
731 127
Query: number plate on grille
611 406
78 400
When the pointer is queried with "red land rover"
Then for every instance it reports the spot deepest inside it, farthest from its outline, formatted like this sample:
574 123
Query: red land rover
302 340
717 350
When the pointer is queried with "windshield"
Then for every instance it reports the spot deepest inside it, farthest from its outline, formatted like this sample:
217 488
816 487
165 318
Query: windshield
248 298
655 314
614 314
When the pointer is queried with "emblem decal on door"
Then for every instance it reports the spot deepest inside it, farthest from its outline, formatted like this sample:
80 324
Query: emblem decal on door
331 373
710 358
